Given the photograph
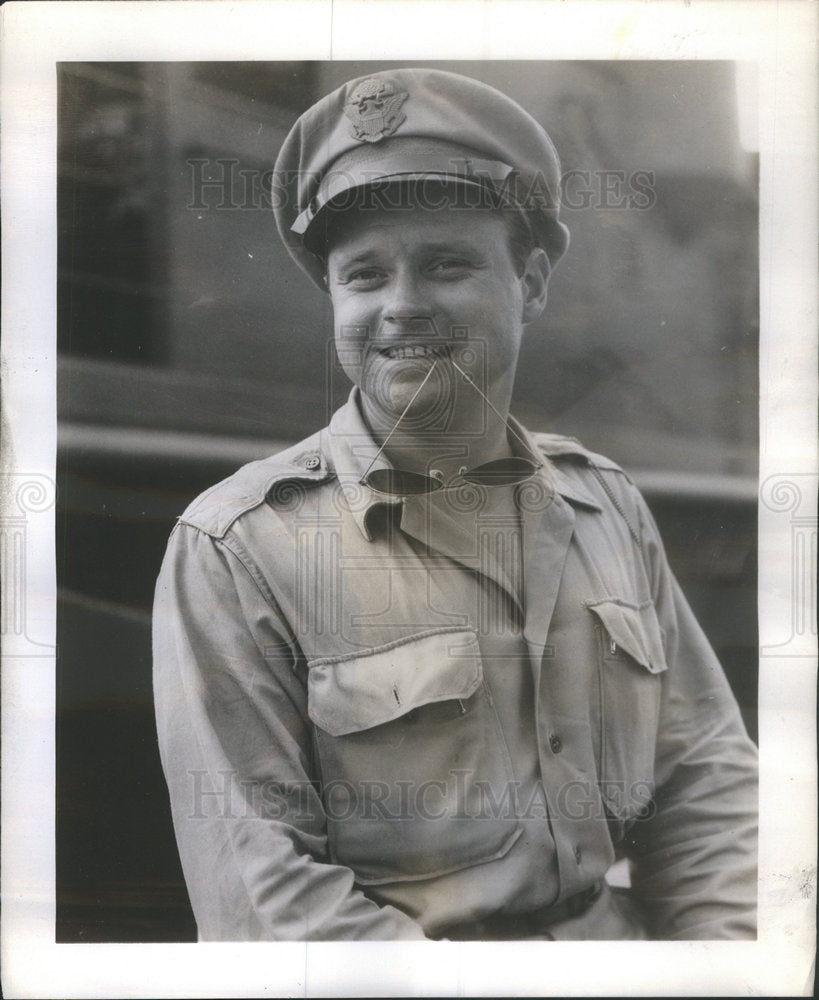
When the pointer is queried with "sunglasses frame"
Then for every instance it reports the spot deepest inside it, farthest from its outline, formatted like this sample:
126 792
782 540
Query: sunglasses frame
472 477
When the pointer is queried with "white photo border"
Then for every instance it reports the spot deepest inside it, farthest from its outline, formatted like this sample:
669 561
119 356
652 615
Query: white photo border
780 39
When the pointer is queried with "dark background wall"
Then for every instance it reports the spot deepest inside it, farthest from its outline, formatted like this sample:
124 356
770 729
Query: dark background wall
188 344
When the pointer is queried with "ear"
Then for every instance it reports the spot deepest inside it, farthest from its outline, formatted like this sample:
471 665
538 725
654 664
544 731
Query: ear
534 284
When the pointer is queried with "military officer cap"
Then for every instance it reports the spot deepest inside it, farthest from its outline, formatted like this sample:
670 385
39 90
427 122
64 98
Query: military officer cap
410 124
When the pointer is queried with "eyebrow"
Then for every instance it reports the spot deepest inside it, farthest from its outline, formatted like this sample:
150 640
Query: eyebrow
450 248
360 258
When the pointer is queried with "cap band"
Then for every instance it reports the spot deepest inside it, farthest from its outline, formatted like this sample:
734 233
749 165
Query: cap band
348 174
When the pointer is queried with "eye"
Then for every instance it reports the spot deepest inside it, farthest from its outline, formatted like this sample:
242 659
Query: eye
450 267
360 277
363 277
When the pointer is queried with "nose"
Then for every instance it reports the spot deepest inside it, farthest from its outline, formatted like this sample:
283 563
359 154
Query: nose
406 302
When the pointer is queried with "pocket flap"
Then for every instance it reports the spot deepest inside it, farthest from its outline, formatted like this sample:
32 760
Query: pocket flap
635 629
347 694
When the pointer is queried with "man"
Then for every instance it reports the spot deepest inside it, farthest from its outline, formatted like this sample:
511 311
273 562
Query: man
426 675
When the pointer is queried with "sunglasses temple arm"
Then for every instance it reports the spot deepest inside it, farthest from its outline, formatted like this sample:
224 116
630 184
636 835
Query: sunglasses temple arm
537 458
398 421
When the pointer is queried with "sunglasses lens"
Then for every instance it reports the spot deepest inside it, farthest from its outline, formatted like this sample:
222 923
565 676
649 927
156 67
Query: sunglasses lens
397 483
503 472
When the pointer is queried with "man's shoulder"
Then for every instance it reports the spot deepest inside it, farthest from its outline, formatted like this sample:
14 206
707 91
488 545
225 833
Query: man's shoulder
568 451
589 478
217 508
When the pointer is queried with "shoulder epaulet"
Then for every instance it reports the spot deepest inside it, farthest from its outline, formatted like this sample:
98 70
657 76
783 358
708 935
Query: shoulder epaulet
558 446
215 510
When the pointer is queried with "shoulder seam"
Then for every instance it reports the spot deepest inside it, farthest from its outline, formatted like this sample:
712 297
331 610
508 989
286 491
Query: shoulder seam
248 564
242 556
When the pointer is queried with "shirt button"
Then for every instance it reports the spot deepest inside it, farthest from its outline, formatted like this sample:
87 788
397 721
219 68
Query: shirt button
556 743
578 855
313 462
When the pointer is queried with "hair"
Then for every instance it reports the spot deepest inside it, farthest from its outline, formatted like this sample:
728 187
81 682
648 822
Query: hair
430 194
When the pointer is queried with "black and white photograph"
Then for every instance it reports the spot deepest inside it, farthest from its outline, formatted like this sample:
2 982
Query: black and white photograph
407 577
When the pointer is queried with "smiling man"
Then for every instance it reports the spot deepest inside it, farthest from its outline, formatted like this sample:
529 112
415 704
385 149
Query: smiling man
425 674
402 282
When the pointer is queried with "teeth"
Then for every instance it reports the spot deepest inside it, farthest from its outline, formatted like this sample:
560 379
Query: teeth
402 351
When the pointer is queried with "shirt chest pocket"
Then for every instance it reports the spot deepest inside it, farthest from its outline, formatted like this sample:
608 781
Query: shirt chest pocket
631 663
413 760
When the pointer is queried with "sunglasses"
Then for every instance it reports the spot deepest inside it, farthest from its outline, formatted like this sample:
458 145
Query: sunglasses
500 472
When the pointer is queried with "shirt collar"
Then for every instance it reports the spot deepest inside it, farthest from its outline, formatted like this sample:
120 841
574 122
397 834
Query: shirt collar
353 449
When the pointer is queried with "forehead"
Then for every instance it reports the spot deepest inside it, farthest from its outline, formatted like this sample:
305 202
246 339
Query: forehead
411 227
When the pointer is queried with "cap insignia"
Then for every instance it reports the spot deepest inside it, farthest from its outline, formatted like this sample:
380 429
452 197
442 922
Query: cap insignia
374 109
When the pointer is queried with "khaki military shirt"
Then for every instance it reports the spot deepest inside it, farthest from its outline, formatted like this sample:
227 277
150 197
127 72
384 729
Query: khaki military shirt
385 718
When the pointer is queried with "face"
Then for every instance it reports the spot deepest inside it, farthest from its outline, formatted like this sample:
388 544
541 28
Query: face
413 288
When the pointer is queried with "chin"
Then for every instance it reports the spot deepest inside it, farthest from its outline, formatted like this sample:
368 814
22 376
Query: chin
391 391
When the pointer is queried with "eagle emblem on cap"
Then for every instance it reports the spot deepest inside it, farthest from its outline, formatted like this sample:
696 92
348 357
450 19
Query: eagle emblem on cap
374 109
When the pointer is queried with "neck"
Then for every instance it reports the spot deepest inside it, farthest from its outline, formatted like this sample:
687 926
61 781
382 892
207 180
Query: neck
447 453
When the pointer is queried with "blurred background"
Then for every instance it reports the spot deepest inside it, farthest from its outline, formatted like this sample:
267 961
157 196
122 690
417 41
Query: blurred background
188 344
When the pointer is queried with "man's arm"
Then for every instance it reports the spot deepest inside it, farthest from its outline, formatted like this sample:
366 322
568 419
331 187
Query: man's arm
694 858
235 743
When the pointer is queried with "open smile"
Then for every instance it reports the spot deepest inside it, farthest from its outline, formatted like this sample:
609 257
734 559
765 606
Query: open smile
404 351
